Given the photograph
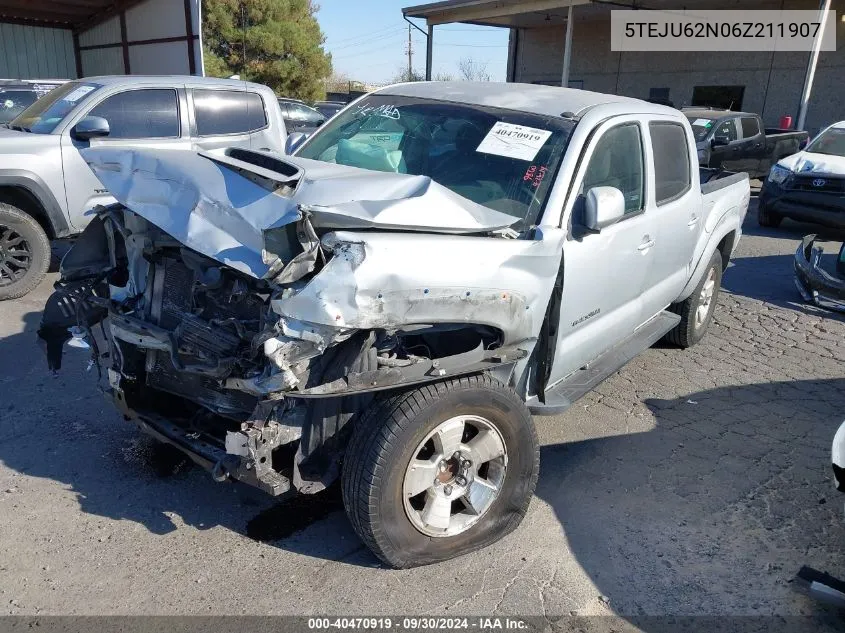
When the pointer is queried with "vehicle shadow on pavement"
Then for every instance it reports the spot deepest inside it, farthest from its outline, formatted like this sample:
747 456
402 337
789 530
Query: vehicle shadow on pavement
771 278
712 511
62 428
715 509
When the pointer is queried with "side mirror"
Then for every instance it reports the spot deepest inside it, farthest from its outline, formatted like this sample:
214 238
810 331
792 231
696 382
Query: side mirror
604 206
320 122
719 140
294 140
90 127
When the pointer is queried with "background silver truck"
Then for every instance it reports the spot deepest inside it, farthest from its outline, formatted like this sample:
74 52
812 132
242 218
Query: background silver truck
391 304
47 190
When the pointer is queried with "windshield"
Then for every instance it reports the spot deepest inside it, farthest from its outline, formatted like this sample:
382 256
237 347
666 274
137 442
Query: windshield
44 115
503 159
701 127
13 102
830 142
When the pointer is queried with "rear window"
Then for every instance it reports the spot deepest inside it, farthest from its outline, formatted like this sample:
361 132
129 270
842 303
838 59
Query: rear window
671 161
750 126
228 112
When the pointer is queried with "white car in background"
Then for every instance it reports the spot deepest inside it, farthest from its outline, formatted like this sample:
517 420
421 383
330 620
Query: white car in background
808 186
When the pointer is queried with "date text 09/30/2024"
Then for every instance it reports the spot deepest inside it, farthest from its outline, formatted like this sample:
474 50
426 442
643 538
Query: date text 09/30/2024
419 623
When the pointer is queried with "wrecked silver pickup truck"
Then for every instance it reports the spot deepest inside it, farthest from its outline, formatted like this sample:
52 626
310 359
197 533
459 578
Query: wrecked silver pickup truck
391 304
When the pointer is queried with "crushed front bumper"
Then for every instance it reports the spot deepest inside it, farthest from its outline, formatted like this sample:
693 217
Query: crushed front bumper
818 207
815 284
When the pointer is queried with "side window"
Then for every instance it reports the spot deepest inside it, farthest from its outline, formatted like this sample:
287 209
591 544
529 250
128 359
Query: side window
726 132
617 161
148 113
228 112
750 126
306 114
671 161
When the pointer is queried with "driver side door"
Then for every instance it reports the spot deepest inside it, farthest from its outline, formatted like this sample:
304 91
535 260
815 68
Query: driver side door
149 117
726 145
604 273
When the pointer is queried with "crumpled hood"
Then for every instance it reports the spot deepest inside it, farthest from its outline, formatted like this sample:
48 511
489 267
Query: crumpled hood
214 210
811 163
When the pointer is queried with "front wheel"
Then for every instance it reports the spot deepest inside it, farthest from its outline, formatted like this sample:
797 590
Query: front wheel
767 218
24 252
696 311
440 471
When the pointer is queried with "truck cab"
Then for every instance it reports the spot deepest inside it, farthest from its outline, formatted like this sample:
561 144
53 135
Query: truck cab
738 141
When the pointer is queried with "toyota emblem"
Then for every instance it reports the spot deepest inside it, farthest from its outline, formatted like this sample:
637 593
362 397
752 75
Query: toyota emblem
819 182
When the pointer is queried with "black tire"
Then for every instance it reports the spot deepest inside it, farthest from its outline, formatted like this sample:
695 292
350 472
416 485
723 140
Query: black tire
687 333
383 443
767 218
24 252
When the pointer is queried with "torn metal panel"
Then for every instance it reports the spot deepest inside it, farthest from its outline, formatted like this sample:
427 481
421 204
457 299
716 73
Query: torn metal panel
212 206
390 281
208 207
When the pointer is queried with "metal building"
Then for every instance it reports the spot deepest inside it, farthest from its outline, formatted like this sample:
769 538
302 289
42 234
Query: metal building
76 38
769 83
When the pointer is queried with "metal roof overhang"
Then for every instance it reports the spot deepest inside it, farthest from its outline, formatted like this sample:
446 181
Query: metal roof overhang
77 15
507 13
541 13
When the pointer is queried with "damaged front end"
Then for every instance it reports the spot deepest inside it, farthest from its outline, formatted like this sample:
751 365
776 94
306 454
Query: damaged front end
248 325
817 285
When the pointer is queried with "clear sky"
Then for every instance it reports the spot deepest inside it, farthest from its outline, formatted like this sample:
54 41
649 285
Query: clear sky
368 41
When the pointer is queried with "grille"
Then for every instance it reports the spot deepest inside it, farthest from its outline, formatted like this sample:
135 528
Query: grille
176 288
818 183
163 376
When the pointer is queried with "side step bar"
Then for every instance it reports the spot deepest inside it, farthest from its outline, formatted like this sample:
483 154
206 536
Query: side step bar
560 397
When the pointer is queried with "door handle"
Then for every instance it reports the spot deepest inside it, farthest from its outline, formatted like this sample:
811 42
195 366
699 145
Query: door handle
647 244
693 221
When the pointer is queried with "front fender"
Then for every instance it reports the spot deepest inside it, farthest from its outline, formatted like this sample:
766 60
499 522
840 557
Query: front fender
38 189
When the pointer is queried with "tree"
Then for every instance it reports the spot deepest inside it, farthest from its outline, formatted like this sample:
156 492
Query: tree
402 76
444 76
472 70
284 44
338 82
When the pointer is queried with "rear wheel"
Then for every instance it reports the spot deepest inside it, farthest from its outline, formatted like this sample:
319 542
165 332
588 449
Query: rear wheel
440 471
24 252
696 311
767 218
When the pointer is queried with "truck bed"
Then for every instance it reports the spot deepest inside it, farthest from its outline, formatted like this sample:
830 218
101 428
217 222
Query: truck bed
715 179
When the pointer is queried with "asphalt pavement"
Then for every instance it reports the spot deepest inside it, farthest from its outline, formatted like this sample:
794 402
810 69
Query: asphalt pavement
692 482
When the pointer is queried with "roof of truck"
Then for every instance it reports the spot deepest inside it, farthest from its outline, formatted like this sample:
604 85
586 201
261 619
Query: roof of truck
713 113
545 100
110 80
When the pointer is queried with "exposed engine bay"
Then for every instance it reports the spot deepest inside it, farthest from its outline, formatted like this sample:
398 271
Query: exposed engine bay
250 339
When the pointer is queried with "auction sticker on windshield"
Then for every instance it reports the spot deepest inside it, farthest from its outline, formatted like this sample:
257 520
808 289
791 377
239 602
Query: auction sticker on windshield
513 141
77 94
